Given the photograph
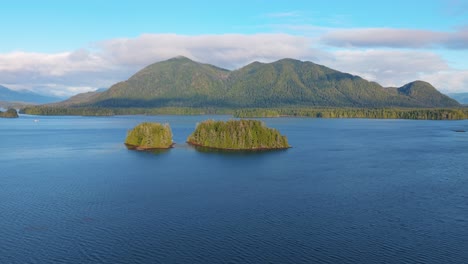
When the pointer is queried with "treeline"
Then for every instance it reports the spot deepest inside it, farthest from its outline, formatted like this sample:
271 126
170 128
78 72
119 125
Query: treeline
150 136
237 135
101 111
10 113
377 113
66 111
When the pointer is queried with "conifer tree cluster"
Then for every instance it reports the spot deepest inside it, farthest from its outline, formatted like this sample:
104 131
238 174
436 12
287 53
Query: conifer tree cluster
10 113
150 136
378 113
237 135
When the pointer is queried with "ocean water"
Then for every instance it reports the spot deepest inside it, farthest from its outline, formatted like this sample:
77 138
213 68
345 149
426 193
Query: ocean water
349 191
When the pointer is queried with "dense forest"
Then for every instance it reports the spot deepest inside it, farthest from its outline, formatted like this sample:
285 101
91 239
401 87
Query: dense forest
237 135
101 111
10 113
149 136
378 113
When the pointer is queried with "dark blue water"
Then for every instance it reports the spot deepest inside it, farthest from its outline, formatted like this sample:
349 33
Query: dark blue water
350 191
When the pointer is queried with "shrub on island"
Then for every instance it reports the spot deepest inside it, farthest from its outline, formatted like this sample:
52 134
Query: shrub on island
10 113
148 136
237 135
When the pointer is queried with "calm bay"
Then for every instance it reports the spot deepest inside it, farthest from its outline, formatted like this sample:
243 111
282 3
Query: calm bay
349 191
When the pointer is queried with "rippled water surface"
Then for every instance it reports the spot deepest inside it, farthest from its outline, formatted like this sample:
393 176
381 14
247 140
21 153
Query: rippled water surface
349 191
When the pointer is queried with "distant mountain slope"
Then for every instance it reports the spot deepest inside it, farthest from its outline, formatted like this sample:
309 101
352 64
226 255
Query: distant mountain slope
287 82
78 99
102 89
24 96
462 98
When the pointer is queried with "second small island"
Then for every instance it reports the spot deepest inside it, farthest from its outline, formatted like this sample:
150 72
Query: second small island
149 136
10 113
237 135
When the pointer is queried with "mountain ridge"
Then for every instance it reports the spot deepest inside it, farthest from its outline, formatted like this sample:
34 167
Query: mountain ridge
182 82
462 98
23 96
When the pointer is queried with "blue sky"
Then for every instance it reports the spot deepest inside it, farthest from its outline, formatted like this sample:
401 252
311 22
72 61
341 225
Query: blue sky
66 47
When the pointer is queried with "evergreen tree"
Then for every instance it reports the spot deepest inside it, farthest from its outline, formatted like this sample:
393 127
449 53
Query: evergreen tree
149 136
237 134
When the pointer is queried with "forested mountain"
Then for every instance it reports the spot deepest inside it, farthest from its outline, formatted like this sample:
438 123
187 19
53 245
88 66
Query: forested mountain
8 95
175 82
181 82
426 93
291 82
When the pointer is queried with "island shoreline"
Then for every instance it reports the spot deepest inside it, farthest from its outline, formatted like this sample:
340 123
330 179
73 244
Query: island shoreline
141 148
235 149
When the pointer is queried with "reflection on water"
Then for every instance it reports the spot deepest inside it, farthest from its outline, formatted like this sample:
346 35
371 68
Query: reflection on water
208 150
151 151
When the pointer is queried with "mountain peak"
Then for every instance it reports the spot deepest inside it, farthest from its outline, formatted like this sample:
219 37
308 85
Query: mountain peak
182 82
419 83
289 60
425 92
9 95
180 58
415 87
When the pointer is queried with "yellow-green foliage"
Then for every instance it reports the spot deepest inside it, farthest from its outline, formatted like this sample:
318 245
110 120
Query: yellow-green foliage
10 113
381 113
237 134
150 136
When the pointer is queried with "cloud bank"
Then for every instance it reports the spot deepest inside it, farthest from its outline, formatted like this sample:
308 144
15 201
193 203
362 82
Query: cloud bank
396 38
110 61
230 50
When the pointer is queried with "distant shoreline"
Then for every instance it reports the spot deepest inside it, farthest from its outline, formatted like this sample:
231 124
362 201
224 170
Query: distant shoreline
458 113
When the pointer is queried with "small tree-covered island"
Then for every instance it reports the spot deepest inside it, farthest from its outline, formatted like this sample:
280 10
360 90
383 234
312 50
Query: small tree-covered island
10 113
237 135
149 136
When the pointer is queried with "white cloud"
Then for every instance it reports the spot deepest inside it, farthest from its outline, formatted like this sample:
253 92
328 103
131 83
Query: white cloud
454 81
388 67
396 38
59 73
114 60
230 50
62 91
57 64
394 68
